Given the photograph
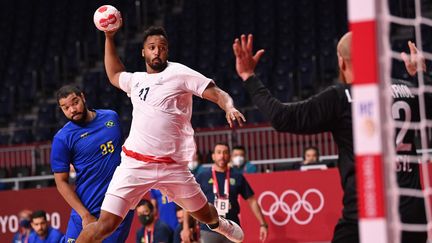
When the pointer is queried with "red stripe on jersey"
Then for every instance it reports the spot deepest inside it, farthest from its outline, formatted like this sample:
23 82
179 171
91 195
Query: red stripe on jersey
147 158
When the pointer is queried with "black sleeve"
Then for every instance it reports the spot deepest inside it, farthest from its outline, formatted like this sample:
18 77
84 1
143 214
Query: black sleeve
316 114
246 190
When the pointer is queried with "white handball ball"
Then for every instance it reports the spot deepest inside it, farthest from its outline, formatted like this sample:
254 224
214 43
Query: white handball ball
107 18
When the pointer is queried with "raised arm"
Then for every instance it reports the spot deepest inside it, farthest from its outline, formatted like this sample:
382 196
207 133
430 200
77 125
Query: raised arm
245 60
113 64
313 115
413 59
68 193
225 102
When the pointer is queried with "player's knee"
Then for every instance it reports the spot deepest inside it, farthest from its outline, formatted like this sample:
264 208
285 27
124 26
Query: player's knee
105 227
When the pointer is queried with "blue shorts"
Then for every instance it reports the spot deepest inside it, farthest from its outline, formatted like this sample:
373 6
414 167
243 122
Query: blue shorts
119 235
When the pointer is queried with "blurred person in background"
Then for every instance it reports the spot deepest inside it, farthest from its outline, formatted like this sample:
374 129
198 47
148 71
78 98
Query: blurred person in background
25 228
222 186
43 232
196 165
239 160
194 230
153 229
167 210
310 155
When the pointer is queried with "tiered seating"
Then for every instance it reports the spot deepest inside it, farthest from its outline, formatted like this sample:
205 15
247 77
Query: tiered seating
46 43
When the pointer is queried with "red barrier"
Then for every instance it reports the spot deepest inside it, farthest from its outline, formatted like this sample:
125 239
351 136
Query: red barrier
47 199
299 206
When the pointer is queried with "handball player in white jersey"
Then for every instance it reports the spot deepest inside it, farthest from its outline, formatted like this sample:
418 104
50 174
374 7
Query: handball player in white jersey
161 139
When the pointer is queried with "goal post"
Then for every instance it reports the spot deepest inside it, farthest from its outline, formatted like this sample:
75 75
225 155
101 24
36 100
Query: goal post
381 30
367 122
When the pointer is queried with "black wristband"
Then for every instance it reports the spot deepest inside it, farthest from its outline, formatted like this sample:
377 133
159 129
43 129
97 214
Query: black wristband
264 225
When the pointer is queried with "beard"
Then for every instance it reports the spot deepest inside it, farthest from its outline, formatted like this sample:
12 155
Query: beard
158 66
83 118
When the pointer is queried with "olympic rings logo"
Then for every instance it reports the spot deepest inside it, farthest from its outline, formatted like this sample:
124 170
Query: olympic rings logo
291 212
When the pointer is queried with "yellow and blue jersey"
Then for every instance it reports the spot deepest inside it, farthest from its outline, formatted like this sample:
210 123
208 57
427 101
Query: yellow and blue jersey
94 151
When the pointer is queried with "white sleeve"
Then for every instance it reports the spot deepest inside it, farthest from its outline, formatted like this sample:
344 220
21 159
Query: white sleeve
195 82
125 82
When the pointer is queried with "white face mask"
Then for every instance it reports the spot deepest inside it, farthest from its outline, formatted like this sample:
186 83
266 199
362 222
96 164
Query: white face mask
238 161
192 165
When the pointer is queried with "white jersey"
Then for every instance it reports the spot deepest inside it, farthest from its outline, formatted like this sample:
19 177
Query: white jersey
162 110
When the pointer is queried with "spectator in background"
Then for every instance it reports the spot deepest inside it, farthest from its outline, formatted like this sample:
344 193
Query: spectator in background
43 233
222 186
167 210
153 230
193 227
240 162
25 229
310 155
195 166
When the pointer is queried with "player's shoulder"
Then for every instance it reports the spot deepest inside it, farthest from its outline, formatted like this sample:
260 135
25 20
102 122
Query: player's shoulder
339 91
106 112
181 69
177 66
64 131
340 87
235 173
136 75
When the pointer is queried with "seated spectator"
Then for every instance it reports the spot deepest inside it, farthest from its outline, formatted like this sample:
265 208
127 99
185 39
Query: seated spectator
25 229
310 160
195 166
239 161
153 230
193 227
310 155
166 209
43 233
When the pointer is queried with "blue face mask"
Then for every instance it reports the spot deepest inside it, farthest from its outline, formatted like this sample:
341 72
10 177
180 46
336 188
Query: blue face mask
25 223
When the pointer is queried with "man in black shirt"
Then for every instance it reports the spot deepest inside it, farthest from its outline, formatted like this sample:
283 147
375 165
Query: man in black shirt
330 110
221 183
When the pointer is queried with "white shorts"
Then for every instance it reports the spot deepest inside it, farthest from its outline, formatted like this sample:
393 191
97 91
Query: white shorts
133 179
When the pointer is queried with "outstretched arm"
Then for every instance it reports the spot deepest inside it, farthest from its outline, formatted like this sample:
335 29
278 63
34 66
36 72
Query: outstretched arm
113 64
224 100
413 59
245 60
310 116
62 182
